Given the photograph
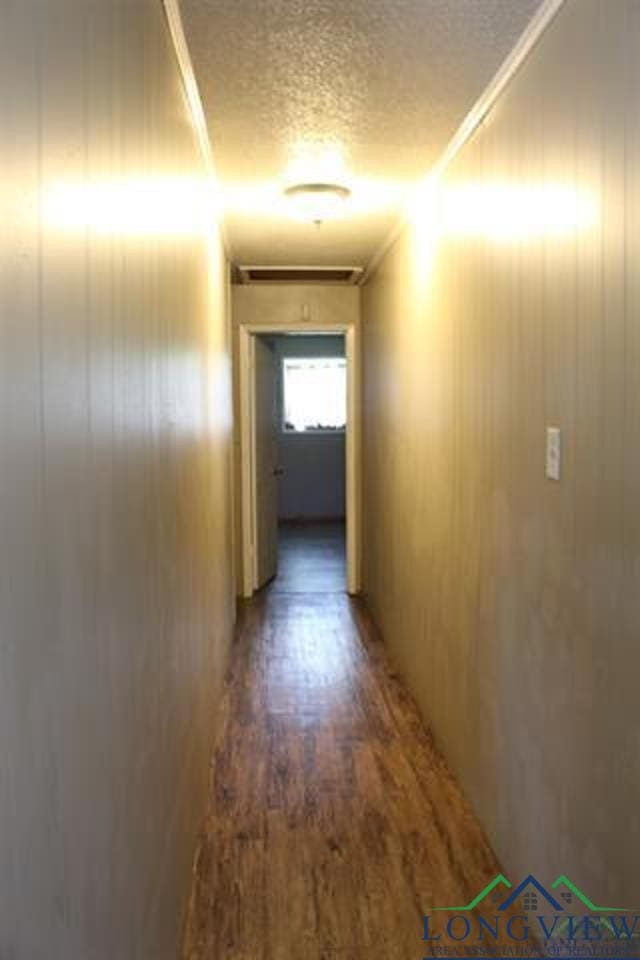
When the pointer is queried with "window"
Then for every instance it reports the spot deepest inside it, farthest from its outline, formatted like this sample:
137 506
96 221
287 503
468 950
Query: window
315 394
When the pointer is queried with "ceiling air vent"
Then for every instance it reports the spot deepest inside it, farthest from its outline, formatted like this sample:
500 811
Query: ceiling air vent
254 274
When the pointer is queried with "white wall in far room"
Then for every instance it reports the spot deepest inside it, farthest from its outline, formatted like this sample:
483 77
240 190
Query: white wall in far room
313 483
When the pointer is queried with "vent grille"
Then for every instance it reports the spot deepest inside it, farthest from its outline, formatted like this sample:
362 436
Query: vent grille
270 274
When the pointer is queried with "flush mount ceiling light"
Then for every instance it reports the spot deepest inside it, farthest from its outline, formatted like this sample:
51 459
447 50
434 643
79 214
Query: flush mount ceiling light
316 202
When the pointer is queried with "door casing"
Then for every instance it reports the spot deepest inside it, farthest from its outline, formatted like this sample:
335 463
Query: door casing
246 384
265 458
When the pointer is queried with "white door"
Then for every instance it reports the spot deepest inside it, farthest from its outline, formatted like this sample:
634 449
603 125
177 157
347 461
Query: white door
266 462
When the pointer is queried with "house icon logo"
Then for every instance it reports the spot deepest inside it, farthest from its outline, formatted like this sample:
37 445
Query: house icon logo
559 916
565 895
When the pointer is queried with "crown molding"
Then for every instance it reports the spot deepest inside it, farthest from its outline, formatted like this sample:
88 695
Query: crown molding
185 65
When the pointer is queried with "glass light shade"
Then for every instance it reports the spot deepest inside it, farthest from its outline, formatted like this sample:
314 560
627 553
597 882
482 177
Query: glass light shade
315 202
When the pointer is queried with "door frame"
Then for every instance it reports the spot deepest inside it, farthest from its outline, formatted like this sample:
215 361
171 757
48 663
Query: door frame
353 480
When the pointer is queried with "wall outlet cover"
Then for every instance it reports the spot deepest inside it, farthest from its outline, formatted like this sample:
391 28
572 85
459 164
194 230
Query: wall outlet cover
553 453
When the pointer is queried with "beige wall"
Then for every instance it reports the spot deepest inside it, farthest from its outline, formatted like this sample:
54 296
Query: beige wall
512 602
115 420
281 305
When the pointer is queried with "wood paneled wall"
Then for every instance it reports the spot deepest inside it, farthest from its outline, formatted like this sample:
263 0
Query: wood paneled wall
512 602
115 528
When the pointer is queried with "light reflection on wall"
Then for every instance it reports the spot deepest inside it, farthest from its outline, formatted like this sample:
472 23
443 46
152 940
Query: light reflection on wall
501 211
155 208
505 212
139 206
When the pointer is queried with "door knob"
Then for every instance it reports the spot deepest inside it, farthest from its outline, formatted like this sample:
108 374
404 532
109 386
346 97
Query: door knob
278 471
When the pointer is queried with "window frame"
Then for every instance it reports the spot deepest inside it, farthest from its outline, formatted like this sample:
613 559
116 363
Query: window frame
312 431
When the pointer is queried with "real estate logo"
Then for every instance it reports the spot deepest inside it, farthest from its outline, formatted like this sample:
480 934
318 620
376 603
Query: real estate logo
531 920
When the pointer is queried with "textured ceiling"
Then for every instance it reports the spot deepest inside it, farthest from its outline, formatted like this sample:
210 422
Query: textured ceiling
383 84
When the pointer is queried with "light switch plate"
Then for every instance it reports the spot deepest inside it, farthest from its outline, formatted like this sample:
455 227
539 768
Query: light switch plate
553 453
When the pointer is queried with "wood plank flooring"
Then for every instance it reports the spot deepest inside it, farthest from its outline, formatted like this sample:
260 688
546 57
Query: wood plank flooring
311 556
334 822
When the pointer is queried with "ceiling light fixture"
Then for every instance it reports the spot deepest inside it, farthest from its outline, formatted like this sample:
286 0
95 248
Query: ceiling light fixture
317 202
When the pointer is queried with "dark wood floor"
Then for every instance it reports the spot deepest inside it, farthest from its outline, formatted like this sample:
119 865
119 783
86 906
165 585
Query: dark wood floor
311 557
334 822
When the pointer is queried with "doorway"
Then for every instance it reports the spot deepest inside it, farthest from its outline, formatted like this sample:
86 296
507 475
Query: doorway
299 439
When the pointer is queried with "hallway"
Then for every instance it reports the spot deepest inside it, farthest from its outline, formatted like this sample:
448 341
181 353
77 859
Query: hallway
272 262
333 820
